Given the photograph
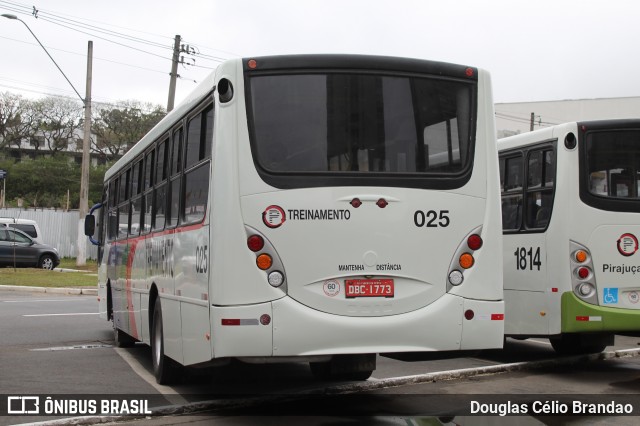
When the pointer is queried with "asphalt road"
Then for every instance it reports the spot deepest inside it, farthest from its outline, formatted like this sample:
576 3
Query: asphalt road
55 344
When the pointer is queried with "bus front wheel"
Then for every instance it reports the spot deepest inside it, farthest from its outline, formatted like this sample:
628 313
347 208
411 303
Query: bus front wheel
166 370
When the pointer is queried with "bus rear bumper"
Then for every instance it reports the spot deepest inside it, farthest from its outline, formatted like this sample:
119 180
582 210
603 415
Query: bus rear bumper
581 317
297 330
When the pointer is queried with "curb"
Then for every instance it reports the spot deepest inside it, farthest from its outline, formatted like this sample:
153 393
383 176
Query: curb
54 290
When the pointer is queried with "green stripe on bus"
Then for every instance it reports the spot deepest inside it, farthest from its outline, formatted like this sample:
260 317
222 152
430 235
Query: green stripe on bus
578 317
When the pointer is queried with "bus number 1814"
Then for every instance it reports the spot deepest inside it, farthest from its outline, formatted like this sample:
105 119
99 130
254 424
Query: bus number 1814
527 259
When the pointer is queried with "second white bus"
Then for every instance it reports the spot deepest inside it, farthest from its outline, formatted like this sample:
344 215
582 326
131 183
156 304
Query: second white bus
571 223
309 208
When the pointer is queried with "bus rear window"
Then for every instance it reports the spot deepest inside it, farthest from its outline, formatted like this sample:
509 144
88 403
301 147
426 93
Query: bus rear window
613 163
360 125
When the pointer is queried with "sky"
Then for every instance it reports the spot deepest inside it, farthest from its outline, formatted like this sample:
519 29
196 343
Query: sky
535 50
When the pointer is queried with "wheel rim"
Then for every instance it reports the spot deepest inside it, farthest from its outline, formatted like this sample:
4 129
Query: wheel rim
47 263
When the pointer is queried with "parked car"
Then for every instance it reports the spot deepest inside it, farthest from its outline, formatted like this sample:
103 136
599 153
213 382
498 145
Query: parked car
28 226
19 249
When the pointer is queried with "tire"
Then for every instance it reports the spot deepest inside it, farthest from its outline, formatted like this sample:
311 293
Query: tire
344 367
573 344
46 262
122 339
166 370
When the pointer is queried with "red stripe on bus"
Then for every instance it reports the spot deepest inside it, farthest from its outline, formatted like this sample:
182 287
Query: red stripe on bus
130 307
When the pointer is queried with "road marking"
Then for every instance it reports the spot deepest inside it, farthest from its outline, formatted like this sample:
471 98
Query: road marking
67 348
172 395
61 315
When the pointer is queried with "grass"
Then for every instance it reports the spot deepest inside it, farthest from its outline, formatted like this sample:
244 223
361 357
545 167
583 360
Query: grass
40 278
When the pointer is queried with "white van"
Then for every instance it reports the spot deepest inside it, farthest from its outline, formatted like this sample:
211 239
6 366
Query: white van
28 226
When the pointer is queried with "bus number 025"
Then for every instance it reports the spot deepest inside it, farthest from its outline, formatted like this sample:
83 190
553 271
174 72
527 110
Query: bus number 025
201 259
527 259
431 218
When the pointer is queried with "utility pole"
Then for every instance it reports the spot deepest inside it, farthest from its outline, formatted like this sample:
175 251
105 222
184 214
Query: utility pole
533 118
81 258
174 73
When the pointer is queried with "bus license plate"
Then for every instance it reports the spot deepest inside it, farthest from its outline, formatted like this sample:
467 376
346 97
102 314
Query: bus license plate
369 288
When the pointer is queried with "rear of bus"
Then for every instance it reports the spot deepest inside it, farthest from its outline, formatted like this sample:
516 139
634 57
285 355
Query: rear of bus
605 263
368 216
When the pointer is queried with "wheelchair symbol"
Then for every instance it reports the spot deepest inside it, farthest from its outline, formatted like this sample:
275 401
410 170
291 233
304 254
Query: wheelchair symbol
610 296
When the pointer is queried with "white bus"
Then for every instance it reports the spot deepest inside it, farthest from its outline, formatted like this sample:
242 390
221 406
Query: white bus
314 208
571 222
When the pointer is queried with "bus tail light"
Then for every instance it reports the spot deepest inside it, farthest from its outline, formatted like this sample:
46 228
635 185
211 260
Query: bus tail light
583 272
464 259
255 243
582 277
264 261
267 259
474 241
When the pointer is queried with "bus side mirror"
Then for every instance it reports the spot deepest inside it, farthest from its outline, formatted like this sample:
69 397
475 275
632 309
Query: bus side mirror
89 225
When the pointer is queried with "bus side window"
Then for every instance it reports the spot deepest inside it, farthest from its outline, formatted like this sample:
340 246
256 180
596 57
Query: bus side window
196 176
148 192
511 184
539 193
175 169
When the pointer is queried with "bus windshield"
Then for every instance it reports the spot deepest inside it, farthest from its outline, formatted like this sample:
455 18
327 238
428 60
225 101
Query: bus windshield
361 124
613 163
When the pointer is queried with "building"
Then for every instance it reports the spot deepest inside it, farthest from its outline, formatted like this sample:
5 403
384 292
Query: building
520 117
37 146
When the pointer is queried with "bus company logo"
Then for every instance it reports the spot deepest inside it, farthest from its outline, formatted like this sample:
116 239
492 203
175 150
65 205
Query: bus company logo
23 405
627 244
274 216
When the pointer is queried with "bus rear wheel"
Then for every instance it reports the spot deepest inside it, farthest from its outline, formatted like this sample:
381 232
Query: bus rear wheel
166 370
122 339
345 367
580 344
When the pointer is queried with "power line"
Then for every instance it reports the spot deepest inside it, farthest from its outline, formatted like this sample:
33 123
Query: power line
60 20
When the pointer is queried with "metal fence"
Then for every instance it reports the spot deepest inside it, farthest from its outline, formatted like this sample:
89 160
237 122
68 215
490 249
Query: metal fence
59 229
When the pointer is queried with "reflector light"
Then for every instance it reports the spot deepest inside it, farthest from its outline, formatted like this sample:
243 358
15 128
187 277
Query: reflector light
583 272
382 203
265 319
276 278
469 72
356 203
466 261
252 64
554 289
581 256
582 318
227 321
456 277
255 243
497 317
474 242
264 261
469 314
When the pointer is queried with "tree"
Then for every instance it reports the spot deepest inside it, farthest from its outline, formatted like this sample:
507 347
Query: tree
58 122
120 127
18 120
